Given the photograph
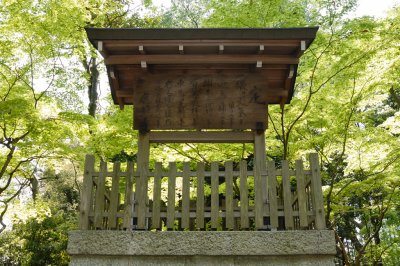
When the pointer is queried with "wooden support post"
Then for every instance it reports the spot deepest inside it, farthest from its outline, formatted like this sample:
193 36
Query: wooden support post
143 148
141 181
86 193
141 193
316 187
260 181
258 208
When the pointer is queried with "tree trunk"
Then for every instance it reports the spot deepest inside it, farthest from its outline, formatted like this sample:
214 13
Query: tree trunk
92 88
34 187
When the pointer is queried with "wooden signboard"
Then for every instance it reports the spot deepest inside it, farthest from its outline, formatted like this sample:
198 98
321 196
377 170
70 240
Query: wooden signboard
202 99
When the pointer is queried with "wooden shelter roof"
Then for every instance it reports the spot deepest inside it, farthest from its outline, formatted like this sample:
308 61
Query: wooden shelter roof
140 60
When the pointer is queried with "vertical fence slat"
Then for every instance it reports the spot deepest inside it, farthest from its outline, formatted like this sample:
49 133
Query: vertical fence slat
141 188
273 204
185 195
214 195
200 196
114 199
99 201
106 203
171 195
86 193
128 212
301 196
244 196
258 196
316 190
155 220
309 199
287 196
229 195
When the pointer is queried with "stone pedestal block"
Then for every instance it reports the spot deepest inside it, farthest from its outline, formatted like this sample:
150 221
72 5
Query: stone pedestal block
202 248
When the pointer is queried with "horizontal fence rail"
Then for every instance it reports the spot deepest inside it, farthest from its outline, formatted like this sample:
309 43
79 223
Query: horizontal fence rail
212 197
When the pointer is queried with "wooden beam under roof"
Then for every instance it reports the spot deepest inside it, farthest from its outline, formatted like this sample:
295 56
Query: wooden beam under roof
115 44
201 137
275 92
202 67
199 59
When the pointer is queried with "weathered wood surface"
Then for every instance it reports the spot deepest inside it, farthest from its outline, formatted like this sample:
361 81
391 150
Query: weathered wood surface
301 196
114 200
272 193
132 45
260 181
157 196
141 191
214 195
86 193
100 197
222 198
317 198
213 49
200 196
209 100
171 195
287 196
244 194
198 59
229 195
201 137
185 196
129 198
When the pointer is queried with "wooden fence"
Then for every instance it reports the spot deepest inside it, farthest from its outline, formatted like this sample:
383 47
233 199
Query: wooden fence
207 198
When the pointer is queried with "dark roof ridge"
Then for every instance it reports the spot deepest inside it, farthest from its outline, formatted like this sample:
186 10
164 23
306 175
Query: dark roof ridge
304 33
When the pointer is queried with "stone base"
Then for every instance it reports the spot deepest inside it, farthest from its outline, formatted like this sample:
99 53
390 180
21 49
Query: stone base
202 248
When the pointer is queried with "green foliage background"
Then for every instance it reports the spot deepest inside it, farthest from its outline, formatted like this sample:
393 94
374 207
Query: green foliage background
346 108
